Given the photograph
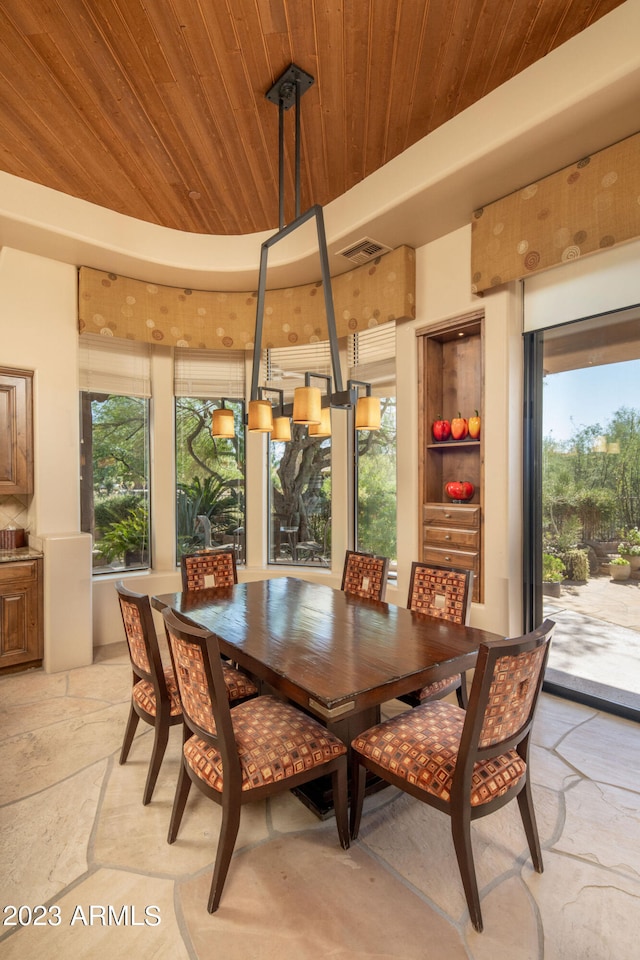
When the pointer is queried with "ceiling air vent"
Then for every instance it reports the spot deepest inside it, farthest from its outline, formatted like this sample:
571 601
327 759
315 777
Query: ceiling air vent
363 251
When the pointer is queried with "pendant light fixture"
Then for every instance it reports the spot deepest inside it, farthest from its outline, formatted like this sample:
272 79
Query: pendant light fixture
222 422
322 429
367 407
260 417
281 424
309 403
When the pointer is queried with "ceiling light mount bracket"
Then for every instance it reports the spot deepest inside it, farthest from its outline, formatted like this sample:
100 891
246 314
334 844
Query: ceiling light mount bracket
284 89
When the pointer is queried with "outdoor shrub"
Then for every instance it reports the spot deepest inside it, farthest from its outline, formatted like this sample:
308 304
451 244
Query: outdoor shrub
127 535
576 564
116 507
552 568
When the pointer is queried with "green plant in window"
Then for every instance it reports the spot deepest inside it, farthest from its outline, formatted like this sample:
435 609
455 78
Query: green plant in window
218 499
126 538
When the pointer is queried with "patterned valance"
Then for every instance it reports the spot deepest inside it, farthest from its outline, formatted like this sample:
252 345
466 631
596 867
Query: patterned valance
374 293
591 205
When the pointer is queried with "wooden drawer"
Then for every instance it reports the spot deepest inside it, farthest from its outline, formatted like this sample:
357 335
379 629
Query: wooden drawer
452 537
464 559
451 515
21 571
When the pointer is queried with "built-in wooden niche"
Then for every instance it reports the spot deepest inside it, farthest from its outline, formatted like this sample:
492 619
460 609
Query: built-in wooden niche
451 382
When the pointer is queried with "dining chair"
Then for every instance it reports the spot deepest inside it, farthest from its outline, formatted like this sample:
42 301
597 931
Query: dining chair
208 568
365 575
240 754
154 693
466 763
443 592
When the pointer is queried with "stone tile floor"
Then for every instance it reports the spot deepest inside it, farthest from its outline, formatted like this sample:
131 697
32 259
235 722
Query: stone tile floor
76 839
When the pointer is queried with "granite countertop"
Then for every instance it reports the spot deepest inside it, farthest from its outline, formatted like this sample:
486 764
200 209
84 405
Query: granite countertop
19 553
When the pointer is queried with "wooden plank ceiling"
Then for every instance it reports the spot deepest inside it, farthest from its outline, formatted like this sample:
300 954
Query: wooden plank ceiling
157 109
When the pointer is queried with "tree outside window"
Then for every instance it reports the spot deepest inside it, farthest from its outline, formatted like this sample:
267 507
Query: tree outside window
300 499
115 480
376 489
210 479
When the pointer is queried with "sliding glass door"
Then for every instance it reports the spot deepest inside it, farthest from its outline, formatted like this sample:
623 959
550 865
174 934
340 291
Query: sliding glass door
582 504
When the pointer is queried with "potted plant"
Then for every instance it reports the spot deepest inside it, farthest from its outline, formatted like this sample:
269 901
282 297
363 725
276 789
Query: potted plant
619 568
552 574
629 548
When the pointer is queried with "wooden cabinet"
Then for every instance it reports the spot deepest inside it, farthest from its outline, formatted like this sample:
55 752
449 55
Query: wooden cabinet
450 366
21 613
451 537
16 432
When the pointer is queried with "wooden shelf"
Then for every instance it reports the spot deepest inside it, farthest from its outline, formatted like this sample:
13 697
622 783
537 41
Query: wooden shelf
447 444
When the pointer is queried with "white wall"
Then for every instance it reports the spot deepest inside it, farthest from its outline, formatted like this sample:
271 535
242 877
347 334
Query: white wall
38 331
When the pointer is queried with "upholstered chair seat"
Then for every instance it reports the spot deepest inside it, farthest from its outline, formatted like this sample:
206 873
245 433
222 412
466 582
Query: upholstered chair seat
422 746
144 695
274 740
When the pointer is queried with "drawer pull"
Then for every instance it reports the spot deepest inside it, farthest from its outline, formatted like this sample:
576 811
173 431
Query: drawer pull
448 536
448 516
448 559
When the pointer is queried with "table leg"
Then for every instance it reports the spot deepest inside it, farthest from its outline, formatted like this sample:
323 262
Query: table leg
317 795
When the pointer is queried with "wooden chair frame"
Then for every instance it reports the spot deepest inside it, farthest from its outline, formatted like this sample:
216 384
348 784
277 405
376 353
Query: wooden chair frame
459 807
162 720
232 797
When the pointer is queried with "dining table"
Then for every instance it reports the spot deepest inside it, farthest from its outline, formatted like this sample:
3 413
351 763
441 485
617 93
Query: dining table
337 656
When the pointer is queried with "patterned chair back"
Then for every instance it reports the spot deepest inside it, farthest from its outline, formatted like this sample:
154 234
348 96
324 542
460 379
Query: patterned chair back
365 575
506 685
443 592
140 632
198 670
210 568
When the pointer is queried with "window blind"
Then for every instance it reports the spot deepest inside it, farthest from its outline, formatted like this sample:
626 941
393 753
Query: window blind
372 358
285 367
209 373
114 366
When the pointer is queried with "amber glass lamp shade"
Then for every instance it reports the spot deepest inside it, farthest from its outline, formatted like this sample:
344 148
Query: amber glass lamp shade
260 416
322 429
368 413
307 405
222 424
281 429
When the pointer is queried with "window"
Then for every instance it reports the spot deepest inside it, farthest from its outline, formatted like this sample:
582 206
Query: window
115 390
372 359
299 470
210 472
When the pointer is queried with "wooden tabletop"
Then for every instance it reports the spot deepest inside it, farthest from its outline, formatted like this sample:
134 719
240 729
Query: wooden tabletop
332 653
